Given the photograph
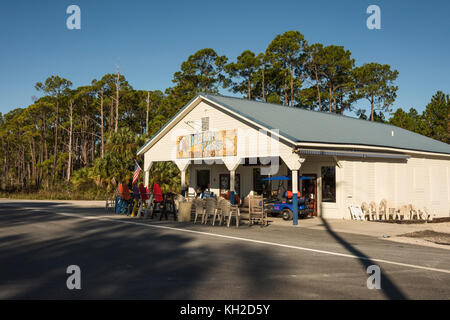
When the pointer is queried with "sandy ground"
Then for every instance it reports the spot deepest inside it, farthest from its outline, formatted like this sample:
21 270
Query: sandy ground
386 231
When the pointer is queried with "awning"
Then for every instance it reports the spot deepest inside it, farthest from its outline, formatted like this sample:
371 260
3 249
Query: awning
358 154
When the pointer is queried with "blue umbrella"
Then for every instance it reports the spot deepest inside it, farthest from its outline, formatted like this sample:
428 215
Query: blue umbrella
277 178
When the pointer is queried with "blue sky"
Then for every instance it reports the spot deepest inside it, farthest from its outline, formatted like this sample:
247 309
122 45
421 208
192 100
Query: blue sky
152 38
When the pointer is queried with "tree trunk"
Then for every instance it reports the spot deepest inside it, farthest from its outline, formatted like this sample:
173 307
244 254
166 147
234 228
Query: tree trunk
111 116
285 89
55 152
117 103
33 160
147 112
292 86
371 109
101 126
249 89
263 87
334 104
84 142
329 98
92 147
318 88
69 160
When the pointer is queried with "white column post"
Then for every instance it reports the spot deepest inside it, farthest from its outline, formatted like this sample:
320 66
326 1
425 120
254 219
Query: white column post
232 185
294 197
182 166
147 166
294 163
232 164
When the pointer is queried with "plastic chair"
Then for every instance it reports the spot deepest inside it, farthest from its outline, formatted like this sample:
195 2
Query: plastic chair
210 208
366 210
199 210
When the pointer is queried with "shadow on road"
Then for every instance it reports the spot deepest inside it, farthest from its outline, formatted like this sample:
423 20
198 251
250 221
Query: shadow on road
388 287
126 261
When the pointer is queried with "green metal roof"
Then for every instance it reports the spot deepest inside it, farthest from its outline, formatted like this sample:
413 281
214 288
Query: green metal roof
302 125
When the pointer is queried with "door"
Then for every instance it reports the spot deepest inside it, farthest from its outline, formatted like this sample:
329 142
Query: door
203 180
309 188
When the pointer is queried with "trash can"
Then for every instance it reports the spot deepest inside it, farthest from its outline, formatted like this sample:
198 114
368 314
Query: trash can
184 211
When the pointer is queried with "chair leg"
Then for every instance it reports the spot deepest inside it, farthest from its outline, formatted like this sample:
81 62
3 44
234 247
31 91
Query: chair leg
237 221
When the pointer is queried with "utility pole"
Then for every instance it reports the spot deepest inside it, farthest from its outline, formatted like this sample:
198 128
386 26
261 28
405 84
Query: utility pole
117 98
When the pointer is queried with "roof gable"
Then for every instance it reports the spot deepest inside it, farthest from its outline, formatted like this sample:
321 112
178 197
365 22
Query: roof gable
300 125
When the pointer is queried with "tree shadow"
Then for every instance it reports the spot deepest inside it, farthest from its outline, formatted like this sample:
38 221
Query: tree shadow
388 287
127 261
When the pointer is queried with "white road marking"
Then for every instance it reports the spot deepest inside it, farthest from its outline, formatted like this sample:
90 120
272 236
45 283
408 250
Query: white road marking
102 218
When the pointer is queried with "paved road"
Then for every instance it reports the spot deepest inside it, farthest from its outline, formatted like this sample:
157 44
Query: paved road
129 258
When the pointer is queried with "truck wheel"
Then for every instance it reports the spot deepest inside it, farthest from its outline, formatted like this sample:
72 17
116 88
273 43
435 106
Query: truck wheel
286 214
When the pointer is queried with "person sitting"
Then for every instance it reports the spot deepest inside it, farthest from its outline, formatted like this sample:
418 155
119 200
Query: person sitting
206 192
125 198
237 200
136 198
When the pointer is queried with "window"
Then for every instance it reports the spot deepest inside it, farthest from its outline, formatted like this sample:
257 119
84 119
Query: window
205 123
328 184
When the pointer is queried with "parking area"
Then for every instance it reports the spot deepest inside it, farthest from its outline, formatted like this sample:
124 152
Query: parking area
122 257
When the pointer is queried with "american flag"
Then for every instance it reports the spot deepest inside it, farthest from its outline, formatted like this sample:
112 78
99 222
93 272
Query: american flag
137 170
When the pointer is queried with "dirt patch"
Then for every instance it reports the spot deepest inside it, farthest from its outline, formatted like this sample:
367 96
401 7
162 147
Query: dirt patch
430 235
402 221
435 220
439 220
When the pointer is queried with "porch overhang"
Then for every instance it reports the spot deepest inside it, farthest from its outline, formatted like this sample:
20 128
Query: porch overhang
354 153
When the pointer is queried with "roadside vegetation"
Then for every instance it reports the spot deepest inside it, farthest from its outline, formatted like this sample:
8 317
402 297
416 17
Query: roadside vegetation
78 143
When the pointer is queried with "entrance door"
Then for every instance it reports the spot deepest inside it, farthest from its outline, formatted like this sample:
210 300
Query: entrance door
224 184
309 188
203 180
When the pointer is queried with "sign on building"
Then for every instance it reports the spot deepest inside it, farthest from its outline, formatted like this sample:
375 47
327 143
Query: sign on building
207 144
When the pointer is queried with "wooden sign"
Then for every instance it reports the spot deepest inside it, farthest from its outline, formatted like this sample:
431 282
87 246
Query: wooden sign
207 144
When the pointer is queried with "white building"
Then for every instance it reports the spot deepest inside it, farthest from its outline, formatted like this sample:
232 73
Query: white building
218 139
